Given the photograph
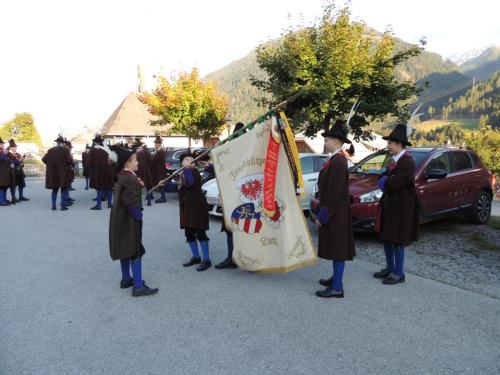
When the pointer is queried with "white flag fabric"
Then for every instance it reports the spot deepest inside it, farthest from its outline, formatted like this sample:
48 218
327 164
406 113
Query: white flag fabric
280 243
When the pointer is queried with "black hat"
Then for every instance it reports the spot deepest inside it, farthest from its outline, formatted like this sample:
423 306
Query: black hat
98 139
187 154
12 143
59 139
398 135
137 143
238 126
158 140
123 155
338 130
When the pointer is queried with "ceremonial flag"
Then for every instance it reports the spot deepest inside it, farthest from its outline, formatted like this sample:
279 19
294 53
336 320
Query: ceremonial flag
259 180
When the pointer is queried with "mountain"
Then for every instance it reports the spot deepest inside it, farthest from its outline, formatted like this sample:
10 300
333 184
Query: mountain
484 64
482 101
460 58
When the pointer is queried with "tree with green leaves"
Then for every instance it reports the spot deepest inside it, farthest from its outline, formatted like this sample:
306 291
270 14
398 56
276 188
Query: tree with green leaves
486 143
331 64
21 128
187 106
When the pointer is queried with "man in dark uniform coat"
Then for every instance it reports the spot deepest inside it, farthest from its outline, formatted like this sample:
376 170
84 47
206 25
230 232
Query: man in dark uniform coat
85 166
102 172
125 223
158 169
19 176
144 171
58 160
334 217
398 213
193 212
6 166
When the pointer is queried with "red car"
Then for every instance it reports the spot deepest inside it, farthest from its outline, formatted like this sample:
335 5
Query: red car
448 180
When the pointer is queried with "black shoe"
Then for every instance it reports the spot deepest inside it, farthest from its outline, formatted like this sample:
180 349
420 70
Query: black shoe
192 262
326 282
330 293
205 265
144 291
393 279
23 199
70 200
95 199
13 201
5 204
69 203
382 274
64 208
54 208
227 263
87 188
126 284
95 208
72 189
161 200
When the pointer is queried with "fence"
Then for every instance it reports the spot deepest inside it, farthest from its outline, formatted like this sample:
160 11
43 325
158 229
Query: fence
37 170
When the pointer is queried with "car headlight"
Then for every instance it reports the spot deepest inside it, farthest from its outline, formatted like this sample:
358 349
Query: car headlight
371 197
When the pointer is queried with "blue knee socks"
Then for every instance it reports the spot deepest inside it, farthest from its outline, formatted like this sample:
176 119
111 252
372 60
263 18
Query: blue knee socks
21 190
229 238
338 273
64 196
399 255
109 195
194 249
389 256
3 197
53 196
204 250
137 272
125 264
100 195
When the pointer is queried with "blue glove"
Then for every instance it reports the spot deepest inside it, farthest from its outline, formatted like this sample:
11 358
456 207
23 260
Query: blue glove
135 212
210 168
188 176
323 215
381 182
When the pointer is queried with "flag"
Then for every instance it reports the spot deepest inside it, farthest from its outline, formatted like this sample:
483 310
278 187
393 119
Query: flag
260 201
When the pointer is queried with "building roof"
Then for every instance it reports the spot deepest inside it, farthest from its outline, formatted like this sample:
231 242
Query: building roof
130 118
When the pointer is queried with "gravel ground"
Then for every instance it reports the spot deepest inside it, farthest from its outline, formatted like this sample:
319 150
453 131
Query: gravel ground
62 311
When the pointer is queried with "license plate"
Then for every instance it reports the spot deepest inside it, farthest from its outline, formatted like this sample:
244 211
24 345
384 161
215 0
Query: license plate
214 201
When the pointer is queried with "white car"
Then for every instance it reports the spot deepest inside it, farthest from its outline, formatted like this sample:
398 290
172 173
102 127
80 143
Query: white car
311 165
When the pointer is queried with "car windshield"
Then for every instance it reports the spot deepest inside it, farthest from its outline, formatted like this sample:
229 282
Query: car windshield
377 164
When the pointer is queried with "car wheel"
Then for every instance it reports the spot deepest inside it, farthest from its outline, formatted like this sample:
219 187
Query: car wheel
481 209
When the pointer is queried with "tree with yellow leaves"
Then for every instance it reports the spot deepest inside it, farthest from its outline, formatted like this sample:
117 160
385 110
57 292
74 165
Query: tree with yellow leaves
188 105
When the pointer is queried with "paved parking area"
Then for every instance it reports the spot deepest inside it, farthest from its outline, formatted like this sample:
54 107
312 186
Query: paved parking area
62 312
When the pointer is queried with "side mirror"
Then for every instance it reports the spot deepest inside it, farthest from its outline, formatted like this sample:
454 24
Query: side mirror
435 174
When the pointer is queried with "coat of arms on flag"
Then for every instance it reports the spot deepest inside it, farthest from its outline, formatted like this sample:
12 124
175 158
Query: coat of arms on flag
259 195
246 219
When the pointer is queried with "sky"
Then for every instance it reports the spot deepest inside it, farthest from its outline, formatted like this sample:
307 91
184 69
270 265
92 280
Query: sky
71 62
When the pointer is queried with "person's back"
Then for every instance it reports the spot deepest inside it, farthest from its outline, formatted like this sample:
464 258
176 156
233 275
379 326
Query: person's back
57 161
